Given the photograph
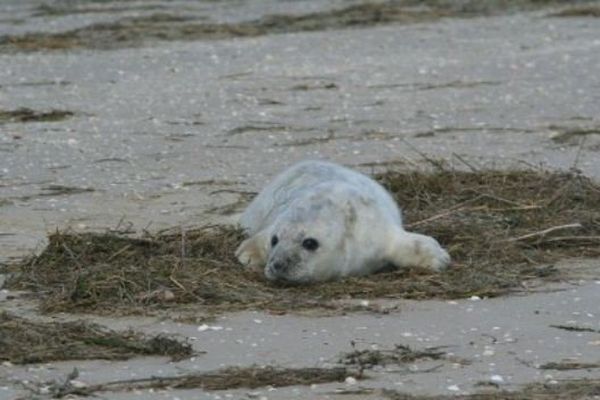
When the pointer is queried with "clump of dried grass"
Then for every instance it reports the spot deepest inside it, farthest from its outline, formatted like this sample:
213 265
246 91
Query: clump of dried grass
24 342
501 228
109 272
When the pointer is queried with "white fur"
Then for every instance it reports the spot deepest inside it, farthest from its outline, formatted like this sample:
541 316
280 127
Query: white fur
354 219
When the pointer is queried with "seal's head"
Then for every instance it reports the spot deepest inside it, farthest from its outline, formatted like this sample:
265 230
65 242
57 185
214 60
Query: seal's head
310 243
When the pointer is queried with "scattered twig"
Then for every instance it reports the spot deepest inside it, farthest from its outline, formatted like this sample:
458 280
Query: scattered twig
235 191
557 195
578 154
228 378
462 206
522 208
500 199
446 213
119 252
72 255
569 365
575 328
454 209
128 227
465 162
544 232
182 245
571 239
177 283
431 369
436 163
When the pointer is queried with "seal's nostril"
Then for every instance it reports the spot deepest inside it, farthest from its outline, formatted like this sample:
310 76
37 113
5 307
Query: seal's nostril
278 266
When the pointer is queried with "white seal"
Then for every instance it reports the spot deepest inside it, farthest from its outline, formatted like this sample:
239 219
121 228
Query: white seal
319 221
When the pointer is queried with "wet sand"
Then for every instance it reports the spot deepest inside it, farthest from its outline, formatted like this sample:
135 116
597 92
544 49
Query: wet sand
161 132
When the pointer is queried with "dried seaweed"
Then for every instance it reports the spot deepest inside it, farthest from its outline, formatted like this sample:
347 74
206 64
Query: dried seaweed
502 228
228 378
23 342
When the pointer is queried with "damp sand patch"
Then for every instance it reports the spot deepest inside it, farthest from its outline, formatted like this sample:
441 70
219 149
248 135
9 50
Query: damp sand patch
24 342
503 229
163 26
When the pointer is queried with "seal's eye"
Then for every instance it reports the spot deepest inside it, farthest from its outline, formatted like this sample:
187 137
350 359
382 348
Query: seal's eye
310 244
274 240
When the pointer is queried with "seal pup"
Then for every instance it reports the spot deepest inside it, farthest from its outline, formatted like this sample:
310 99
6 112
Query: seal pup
319 221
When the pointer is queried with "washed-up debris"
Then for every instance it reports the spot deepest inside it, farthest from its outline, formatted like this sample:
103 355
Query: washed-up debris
583 389
228 378
24 341
591 10
29 115
569 365
575 328
164 26
502 228
400 354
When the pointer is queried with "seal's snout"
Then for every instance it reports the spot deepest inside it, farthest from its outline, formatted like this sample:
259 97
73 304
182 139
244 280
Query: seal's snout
276 271
281 268
278 267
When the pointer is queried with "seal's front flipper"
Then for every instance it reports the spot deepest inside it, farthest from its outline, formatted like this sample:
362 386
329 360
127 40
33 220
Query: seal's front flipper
415 250
253 252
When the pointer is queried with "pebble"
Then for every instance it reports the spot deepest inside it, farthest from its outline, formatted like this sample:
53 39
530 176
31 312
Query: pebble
77 384
205 327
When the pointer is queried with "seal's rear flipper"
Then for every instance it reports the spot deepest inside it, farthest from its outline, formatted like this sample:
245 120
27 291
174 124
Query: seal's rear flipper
253 252
415 250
